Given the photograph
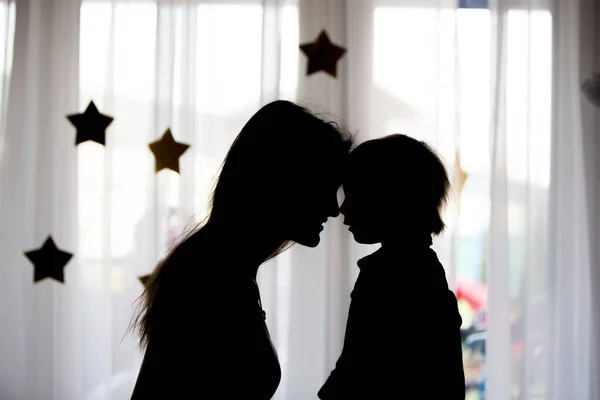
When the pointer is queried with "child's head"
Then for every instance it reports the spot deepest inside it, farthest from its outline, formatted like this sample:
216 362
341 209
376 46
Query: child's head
394 186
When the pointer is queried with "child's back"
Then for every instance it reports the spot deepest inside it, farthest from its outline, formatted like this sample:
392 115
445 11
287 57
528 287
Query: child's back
403 331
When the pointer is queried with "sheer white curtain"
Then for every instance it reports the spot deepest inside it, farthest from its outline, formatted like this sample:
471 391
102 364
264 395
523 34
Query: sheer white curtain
41 340
475 83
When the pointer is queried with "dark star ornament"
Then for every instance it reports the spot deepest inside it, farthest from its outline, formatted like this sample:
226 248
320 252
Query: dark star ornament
167 152
145 279
48 261
322 55
90 125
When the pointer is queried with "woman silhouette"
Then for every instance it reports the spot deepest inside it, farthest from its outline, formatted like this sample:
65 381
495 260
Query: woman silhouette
202 323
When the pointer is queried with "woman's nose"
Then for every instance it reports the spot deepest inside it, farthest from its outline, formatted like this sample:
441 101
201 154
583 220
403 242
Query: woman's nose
334 209
344 207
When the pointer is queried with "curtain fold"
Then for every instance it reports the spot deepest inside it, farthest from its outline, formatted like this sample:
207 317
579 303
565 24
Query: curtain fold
40 339
590 61
571 370
498 358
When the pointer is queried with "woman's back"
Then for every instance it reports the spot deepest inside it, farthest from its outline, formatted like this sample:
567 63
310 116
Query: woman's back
211 341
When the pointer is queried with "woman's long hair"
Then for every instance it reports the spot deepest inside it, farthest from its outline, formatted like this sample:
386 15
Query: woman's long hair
276 149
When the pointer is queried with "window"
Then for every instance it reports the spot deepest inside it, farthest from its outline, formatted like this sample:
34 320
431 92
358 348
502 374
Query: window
7 32
431 77
201 78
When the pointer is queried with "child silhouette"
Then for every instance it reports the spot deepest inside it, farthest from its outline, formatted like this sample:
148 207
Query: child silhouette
402 337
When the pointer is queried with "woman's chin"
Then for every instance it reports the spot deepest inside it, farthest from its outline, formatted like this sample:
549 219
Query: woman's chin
308 240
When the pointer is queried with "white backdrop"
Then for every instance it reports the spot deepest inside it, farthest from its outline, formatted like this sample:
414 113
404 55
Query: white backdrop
477 82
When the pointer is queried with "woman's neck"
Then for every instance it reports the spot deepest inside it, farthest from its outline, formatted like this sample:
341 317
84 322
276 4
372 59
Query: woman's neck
255 253
245 249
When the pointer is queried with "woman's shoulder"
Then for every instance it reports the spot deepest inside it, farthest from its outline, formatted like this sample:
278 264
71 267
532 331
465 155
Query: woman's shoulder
221 292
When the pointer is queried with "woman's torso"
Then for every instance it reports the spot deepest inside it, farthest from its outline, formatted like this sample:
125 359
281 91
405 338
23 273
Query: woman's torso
213 345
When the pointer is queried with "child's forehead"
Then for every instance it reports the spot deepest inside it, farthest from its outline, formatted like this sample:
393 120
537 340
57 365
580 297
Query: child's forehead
360 177
375 174
370 155
359 161
363 164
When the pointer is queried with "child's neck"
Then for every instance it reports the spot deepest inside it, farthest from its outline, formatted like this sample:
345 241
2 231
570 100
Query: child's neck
404 240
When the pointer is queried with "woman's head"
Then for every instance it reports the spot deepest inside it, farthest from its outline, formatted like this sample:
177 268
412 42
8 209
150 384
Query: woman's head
281 175
278 184
394 185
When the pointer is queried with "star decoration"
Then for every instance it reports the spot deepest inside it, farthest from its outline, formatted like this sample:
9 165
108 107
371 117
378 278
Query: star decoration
91 125
460 176
167 152
591 89
145 279
322 55
48 261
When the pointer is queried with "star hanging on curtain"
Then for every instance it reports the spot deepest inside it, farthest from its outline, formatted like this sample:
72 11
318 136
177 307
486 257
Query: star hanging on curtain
48 261
91 125
322 55
145 279
591 89
460 177
167 152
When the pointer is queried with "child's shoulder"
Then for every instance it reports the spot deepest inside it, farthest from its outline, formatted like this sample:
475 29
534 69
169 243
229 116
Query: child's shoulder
410 270
404 261
379 273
